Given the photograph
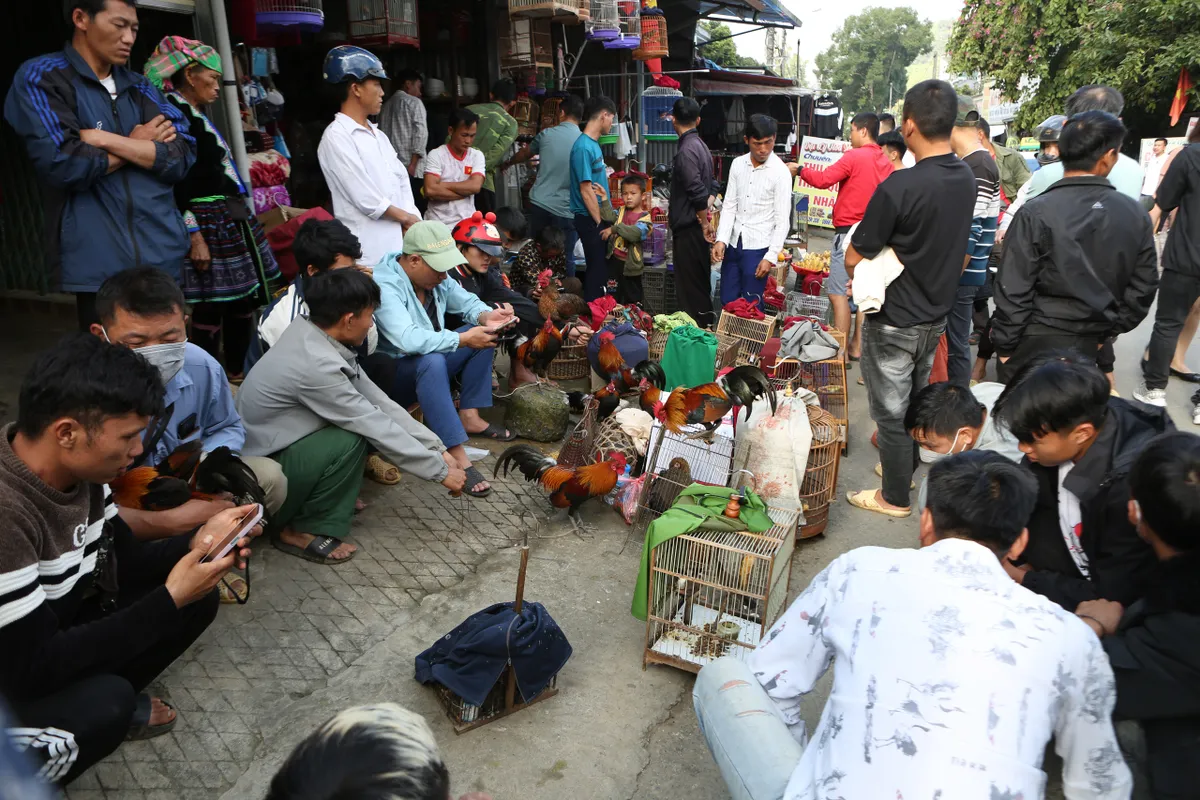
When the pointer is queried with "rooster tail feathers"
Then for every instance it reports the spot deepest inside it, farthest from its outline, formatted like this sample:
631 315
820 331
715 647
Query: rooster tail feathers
529 460
748 382
223 471
143 488
652 372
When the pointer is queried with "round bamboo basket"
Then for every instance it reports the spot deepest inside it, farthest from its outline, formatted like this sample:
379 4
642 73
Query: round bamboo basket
571 364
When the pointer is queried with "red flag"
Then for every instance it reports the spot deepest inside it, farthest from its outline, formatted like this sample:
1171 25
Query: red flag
1181 96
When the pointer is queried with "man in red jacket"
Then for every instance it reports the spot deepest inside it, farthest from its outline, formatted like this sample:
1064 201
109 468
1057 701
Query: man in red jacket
856 174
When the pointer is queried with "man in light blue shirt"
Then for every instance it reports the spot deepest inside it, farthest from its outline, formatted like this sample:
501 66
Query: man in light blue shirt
589 183
550 198
418 356
143 309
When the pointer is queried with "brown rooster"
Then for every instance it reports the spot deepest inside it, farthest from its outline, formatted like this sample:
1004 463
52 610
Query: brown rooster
613 365
706 404
556 305
537 353
569 488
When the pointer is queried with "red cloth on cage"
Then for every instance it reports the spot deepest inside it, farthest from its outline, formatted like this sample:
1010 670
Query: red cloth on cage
771 295
600 308
790 321
666 81
811 282
746 309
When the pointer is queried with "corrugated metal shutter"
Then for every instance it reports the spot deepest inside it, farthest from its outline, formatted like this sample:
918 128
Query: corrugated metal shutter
179 6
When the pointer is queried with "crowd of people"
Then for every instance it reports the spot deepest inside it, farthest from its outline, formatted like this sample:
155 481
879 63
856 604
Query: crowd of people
1058 524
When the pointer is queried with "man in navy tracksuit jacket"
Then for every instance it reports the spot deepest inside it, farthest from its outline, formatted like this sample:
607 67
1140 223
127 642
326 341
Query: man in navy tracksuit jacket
105 144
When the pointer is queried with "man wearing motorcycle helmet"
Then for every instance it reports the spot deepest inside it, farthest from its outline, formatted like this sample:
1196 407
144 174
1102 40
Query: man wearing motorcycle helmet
479 241
371 191
1047 136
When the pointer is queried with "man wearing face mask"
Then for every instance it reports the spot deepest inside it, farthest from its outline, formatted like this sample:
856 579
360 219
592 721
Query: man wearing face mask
945 419
144 309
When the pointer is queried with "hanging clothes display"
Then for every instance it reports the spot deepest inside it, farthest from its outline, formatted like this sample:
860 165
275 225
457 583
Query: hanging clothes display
827 117
804 124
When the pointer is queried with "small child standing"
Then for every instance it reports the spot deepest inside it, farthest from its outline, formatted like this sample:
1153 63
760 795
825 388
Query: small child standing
630 229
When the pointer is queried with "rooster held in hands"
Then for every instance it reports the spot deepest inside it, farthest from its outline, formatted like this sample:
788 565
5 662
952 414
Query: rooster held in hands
568 488
188 474
707 404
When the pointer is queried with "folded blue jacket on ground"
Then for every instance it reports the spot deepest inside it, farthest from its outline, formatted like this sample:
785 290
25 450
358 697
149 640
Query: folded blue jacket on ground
470 659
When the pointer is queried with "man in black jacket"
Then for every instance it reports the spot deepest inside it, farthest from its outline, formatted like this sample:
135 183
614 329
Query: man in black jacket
89 615
1079 262
692 232
1154 645
1080 443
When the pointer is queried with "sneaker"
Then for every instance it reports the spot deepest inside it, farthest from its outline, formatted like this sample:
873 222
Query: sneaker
1151 397
1196 414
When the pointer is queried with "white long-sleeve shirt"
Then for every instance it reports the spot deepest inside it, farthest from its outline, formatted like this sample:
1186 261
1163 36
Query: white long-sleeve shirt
365 177
758 205
948 681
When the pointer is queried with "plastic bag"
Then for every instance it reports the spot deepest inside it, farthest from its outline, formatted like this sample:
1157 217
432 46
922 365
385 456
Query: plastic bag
627 497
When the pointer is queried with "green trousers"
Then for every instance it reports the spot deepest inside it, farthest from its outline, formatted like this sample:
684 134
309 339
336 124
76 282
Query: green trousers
324 472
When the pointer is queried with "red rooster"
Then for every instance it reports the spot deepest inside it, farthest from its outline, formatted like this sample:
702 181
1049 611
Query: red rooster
706 404
537 353
613 367
569 488
184 476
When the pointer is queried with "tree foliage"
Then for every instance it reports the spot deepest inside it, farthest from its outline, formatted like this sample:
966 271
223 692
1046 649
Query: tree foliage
1040 51
869 57
723 52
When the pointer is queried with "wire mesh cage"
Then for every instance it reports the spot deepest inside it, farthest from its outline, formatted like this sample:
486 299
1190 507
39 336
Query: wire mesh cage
826 379
752 333
562 10
465 716
383 23
605 23
821 473
527 44
710 593
571 364
799 304
629 35
658 289
658 102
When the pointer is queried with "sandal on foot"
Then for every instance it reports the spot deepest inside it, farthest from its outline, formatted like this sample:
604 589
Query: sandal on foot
233 590
495 434
382 471
317 551
474 478
879 472
140 727
865 500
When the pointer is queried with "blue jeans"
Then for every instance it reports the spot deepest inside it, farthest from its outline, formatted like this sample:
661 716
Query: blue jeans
737 275
596 251
958 335
752 745
425 379
896 363
540 218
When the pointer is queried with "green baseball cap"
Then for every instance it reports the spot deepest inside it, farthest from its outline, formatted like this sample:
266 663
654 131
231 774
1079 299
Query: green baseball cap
432 241
968 114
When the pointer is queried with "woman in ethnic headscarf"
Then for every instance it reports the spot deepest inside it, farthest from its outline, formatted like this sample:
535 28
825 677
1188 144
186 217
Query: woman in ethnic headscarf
227 274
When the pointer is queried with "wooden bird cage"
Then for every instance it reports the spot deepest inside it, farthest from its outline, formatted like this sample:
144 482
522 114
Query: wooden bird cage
527 45
383 23
571 364
727 349
654 38
577 450
753 334
821 473
557 10
526 112
710 593
550 109
826 379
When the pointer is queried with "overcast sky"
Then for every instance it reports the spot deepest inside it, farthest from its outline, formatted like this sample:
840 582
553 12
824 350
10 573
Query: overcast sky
822 17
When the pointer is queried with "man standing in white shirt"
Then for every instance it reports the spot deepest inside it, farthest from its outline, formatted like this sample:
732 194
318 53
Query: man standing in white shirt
406 124
1158 157
756 215
949 679
455 171
370 187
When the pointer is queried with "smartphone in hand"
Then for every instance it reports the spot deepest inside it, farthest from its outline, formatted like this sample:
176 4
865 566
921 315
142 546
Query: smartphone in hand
239 529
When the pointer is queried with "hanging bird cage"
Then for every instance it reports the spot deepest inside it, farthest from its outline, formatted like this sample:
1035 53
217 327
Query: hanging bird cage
654 33
528 44
272 15
629 35
550 109
605 24
710 593
526 112
383 23
753 334
559 10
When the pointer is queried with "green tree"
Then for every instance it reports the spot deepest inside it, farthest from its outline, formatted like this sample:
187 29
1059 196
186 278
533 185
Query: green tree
869 57
1040 51
722 50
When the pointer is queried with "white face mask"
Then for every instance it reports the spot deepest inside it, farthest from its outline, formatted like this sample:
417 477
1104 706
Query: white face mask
931 456
166 358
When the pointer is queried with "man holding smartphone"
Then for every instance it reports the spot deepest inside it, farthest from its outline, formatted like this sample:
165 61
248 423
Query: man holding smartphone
91 614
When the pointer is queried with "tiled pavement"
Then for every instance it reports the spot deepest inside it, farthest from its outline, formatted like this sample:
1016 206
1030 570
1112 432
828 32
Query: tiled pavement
304 624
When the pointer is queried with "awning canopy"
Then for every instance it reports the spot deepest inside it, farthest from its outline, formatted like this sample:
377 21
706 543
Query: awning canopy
750 12
717 82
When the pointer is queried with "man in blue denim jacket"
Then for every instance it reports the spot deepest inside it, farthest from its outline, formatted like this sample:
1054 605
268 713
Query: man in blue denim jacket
418 356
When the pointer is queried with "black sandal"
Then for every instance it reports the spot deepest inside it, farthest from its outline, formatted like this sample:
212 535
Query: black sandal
474 478
496 434
140 727
317 551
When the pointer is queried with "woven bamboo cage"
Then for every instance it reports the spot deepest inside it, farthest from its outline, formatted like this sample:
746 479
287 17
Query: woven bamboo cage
780 273
550 109
710 593
571 364
654 38
528 43
752 334
383 23
821 473
577 449
611 439
727 349
826 379
526 113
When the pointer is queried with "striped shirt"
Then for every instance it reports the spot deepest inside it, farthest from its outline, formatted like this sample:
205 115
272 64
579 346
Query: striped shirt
984 217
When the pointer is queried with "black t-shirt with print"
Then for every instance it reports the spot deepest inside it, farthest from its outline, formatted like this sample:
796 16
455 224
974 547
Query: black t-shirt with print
924 214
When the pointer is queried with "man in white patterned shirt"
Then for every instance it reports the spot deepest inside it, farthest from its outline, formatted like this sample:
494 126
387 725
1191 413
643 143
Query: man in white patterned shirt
756 215
949 679
405 122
